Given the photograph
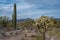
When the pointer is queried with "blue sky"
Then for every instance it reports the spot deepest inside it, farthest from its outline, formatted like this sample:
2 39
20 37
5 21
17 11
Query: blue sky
30 8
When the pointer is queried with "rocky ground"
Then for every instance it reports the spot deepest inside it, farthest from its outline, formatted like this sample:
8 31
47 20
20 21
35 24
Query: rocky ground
18 34
24 34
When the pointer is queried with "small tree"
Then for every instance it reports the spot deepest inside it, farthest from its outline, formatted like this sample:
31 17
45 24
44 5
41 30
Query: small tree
0 21
3 21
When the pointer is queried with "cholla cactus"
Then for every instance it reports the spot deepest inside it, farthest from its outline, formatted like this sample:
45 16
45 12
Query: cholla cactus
44 23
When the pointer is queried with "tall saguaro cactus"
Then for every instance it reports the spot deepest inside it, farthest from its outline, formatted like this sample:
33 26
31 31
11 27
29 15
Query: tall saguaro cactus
14 17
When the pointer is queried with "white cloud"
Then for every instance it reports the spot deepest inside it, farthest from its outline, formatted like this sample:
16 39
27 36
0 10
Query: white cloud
7 9
27 9
51 2
23 7
6 6
36 13
3 1
20 6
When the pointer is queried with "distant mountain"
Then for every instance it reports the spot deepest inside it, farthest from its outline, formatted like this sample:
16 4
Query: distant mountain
57 19
22 20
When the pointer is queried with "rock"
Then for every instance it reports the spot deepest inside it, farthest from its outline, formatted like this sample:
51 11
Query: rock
1 35
6 34
17 32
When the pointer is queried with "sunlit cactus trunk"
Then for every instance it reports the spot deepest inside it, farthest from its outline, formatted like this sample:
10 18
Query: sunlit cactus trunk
14 17
44 32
